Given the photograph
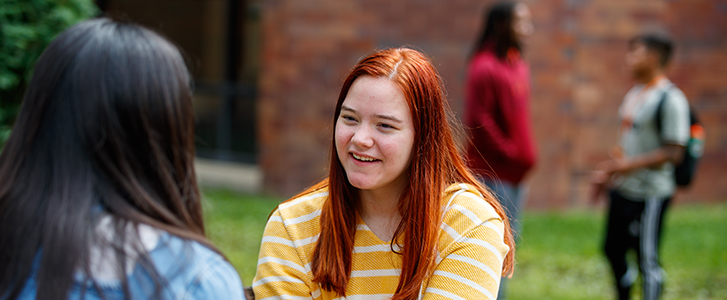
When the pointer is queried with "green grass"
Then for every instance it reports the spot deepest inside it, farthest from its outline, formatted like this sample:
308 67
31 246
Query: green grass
235 223
559 256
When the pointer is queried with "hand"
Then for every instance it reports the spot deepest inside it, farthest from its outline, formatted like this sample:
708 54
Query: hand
596 191
614 166
600 178
599 182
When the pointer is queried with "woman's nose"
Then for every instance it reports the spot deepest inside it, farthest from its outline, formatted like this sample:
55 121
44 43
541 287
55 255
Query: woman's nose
362 138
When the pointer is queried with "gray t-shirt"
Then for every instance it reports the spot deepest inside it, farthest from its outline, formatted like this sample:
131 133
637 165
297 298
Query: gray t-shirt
639 135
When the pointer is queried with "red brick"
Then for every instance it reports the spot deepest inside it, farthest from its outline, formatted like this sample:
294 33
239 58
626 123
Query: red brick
578 82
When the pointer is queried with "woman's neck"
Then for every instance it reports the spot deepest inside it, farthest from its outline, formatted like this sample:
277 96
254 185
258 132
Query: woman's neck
373 203
379 209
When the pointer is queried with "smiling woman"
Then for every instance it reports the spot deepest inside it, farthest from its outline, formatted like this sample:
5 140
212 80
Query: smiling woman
400 216
374 136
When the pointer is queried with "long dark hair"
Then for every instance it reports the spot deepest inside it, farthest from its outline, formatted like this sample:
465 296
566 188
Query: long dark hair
497 33
436 163
106 124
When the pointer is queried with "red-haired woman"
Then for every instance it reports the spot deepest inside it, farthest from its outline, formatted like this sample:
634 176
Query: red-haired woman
400 216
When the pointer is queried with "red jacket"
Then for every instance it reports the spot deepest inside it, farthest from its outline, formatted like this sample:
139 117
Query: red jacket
497 115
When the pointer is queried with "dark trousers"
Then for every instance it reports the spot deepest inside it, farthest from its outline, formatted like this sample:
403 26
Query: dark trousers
635 224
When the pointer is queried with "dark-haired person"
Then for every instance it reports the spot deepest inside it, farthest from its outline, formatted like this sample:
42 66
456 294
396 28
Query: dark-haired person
400 216
98 196
497 108
640 174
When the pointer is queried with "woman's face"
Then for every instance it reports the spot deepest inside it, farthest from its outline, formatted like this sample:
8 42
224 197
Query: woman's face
522 23
375 135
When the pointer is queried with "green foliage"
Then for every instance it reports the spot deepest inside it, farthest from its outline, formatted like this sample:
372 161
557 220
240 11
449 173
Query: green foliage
26 28
5 114
559 256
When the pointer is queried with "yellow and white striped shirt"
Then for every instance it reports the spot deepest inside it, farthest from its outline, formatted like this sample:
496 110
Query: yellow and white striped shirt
469 261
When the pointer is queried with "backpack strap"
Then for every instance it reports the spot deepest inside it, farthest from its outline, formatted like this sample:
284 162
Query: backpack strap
660 110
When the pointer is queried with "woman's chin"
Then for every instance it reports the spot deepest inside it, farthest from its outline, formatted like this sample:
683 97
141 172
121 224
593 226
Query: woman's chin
361 183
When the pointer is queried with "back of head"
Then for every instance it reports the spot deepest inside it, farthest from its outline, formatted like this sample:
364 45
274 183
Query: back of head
106 125
659 43
497 32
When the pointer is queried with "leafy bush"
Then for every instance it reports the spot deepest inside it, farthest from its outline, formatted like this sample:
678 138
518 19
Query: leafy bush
26 28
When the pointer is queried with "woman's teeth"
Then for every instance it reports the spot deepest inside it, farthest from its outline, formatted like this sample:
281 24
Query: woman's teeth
361 158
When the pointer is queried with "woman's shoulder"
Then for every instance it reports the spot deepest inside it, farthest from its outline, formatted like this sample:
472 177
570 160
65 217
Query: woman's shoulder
193 270
185 269
464 202
308 204
469 217
485 61
171 250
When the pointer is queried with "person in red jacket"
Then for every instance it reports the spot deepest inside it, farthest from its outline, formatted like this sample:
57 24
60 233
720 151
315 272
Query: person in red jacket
501 150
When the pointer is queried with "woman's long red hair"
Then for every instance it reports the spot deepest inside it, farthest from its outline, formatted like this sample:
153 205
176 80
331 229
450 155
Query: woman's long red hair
436 163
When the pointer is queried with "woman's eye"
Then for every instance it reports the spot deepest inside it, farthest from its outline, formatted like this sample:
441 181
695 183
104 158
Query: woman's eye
386 126
348 118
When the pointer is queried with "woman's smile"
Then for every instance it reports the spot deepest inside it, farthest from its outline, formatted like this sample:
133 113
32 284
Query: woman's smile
363 158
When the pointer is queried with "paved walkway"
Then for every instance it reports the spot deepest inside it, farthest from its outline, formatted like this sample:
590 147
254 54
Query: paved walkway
231 175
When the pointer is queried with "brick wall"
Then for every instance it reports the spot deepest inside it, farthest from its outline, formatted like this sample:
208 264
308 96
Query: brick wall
578 79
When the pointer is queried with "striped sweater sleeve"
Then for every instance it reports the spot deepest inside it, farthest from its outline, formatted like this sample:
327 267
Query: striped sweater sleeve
281 273
470 264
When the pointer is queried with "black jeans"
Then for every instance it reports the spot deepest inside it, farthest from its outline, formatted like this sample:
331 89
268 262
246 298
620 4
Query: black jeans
635 224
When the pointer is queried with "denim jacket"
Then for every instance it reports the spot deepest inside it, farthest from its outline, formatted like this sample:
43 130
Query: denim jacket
188 269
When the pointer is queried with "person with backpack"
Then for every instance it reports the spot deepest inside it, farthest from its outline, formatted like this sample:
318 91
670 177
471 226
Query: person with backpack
640 177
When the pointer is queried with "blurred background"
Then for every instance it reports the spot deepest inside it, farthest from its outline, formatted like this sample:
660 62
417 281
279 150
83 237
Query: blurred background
267 75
